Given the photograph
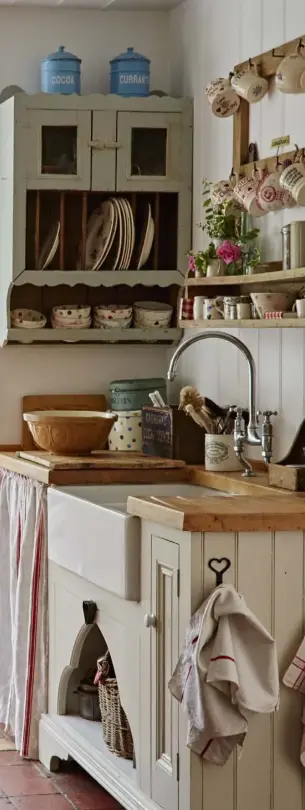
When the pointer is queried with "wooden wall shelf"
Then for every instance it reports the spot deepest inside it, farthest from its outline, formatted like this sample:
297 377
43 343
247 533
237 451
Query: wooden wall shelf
254 323
255 278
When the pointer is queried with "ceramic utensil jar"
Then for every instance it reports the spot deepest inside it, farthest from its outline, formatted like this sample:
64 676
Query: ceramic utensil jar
249 85
222 98
126 434
211 309
219 453
290 74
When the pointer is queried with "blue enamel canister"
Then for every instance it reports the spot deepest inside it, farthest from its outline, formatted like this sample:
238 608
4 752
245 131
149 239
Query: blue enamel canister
130 74
60 72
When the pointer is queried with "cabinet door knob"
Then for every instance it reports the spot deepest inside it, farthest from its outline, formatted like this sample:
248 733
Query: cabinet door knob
150 620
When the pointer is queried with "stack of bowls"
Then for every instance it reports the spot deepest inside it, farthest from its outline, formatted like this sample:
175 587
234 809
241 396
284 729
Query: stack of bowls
148 314
113 316
76 316
27 319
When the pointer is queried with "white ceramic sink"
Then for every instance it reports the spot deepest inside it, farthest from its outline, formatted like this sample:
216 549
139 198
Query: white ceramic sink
91 534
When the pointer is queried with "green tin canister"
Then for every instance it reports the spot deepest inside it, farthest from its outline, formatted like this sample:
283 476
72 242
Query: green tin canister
131 395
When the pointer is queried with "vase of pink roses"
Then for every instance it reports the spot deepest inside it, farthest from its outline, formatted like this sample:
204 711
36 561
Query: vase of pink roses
228 240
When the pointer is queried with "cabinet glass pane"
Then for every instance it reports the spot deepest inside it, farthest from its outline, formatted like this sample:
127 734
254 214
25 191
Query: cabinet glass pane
148 151
58 150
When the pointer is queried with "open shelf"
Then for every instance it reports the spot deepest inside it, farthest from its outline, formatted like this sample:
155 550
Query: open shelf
255 278
259 323
155 335
101 278
73 209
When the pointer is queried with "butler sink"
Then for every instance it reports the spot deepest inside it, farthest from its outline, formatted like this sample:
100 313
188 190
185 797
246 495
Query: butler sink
91 534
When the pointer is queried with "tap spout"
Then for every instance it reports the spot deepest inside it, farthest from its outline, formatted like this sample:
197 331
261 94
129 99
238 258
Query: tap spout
253 436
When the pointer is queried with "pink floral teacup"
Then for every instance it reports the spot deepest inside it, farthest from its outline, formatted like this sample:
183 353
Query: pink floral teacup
245 192
269 193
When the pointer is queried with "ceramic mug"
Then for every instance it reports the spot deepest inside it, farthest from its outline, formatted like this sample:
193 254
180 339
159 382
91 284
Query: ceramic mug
249 85
245 192
222 98
243 311
223 192
211 309
227 305
293 180
270 194
216 267
198 307
186 309
299 307
290 74
219 453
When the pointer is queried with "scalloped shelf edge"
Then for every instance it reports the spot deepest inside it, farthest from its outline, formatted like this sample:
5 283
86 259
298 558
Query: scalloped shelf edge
102 278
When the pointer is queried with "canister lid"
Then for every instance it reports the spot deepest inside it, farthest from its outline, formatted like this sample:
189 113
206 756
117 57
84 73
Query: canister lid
130 55
61 54
150 383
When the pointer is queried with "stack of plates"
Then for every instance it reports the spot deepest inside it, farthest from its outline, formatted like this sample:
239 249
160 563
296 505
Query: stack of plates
76 316
27 319
112 317
111 230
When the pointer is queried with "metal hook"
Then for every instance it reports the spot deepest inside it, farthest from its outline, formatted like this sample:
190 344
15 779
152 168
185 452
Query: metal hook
301 44
277 55
224 562
278 162
296 151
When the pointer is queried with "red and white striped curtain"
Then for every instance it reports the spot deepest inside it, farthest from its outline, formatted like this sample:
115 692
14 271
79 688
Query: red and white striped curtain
23 609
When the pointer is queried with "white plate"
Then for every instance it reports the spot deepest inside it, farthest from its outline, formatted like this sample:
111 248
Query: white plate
124 264
144 235
105 234
131 232
148 242
119 234
121 265
49 247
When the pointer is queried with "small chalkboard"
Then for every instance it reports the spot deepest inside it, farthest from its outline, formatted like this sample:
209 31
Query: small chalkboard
157 432
170 433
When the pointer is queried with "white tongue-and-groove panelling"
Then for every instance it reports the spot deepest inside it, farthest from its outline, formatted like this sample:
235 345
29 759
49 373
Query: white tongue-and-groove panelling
207 39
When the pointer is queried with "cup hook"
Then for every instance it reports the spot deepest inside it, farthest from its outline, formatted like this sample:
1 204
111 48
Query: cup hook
222 563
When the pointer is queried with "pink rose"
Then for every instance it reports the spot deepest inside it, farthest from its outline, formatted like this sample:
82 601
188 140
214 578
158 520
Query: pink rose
228 252
191 264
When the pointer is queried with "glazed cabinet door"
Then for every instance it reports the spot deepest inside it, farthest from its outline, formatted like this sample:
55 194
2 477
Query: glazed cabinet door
164 656
57 149
104 149
149 153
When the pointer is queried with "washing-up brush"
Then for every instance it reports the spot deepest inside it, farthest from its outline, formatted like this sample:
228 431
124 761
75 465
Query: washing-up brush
190 396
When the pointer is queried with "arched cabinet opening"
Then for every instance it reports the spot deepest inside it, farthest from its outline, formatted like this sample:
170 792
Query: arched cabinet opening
78 697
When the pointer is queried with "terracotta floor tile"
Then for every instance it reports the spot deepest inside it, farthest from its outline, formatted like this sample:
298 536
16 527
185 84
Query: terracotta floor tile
95 799
12 758
24 781
74 782
56 802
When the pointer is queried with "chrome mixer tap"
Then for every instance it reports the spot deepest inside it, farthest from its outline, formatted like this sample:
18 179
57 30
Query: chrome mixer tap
242 435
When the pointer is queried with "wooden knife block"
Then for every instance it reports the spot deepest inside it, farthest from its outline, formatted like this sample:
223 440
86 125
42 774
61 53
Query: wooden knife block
170 433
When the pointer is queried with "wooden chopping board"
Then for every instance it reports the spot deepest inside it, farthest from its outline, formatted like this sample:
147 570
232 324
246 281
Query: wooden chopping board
58 402
100 461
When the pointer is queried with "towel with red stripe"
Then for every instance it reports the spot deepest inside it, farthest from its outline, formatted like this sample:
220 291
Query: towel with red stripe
226 673
295 678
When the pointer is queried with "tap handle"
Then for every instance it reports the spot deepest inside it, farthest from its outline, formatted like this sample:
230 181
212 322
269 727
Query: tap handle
267 416
239 424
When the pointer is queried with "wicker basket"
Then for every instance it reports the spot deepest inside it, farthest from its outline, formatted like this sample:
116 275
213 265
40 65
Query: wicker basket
116 729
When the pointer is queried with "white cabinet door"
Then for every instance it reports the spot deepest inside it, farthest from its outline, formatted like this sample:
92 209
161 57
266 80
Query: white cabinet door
149 154
165 640
56 149
104 148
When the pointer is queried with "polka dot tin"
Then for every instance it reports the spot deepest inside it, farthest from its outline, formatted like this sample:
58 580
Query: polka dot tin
126 434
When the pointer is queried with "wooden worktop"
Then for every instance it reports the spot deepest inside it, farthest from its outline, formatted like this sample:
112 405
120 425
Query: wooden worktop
222 514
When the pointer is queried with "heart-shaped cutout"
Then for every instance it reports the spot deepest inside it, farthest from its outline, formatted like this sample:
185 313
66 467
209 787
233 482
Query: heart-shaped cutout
219 565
